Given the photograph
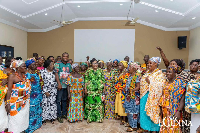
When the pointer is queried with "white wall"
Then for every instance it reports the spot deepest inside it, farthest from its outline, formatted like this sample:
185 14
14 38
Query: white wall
104 44
16 38
194 47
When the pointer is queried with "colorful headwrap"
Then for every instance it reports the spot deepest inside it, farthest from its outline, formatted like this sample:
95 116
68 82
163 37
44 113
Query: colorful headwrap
15 64
109 61
135 65
40 57
125 63
74 65
101 61
156 60
29 62
176 69
116 60
84 64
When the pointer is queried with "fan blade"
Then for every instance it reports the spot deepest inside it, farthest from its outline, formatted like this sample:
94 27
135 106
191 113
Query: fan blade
136 19
130 24
127 23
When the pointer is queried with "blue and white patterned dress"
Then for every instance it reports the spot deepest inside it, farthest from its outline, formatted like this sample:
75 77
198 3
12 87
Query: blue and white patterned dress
35 115
132 105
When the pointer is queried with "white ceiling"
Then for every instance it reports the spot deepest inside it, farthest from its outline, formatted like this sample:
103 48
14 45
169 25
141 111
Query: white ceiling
29 15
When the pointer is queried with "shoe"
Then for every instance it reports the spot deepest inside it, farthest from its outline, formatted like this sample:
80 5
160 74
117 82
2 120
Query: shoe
64 116
131 129
60 119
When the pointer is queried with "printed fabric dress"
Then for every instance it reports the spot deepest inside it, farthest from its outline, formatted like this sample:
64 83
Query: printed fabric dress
186 77
35 116
94 109
192 103
109 95
170 102
19 113
120 94
150 95
132 101
3 113
49 106
75 110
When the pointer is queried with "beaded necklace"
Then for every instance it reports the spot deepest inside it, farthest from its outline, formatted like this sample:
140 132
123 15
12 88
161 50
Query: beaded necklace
18 76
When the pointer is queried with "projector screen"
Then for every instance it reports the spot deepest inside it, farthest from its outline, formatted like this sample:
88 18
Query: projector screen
103 44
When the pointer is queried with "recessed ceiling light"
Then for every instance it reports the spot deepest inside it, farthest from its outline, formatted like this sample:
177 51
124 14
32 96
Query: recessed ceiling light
194 18
171 0
120 4
156 10
46 14
78 6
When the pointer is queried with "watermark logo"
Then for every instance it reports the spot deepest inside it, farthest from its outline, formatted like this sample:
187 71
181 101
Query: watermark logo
173 122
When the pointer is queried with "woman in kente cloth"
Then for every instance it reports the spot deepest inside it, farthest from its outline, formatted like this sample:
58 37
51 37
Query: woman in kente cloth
94 88
110 91
172 102
35 116
132 100
120 84
192 103
17 98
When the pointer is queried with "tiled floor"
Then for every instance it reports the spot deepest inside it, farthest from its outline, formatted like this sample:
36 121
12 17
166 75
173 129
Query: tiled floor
108 126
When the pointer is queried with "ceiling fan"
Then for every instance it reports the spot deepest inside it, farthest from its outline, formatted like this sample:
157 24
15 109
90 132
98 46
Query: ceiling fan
62 22
132 22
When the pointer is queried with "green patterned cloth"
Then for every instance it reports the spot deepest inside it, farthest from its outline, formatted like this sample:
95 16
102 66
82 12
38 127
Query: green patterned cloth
94 110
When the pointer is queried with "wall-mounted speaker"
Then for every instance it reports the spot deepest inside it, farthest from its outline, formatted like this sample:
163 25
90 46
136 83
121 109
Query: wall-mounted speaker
182 41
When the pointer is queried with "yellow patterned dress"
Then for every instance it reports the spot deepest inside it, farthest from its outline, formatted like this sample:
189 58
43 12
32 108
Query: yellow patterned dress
150 95
120 94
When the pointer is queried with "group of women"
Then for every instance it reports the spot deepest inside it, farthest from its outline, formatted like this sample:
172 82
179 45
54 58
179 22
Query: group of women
143 98
28 94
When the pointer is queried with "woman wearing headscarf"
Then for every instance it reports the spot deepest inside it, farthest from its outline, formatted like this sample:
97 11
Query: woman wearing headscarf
3 91
17 98
49 106
35 115
132 99
94 88
151 86
120 84
110 91
84 68
172 102
75 83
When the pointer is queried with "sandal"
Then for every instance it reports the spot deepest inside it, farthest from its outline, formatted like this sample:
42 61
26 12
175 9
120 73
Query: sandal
52 121
127 125
122 123
44 122
141 130
129 129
